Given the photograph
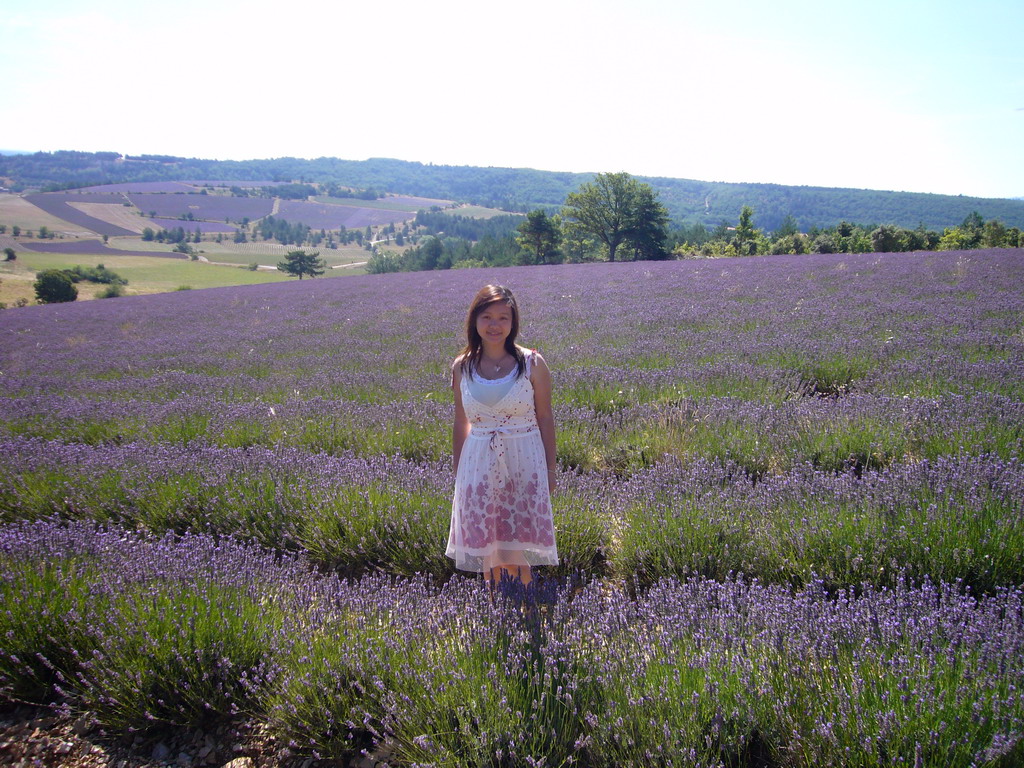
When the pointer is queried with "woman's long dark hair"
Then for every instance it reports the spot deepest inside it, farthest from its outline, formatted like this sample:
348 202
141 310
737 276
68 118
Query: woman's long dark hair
474 349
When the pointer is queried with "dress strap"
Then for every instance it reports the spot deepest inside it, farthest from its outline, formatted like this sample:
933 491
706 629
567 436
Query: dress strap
529 360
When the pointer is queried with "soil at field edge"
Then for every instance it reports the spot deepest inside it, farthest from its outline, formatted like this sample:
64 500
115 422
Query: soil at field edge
39 736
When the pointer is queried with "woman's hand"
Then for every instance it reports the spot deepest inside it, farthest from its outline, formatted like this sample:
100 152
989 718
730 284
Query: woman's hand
540 378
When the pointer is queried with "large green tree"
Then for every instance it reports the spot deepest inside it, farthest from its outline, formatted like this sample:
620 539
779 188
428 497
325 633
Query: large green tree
300 263
616 208
539 233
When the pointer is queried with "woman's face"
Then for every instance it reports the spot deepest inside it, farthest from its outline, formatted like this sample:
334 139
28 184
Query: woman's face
494 323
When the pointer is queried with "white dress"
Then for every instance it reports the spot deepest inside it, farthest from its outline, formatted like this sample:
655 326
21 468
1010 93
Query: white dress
501 511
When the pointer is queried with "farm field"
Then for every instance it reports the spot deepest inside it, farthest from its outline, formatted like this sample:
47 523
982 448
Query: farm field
119 210
145 274
205 207
154 274
62 205
120 215
262 251
789 511
323 216
92 247
17 210
390 203
190 226
476 212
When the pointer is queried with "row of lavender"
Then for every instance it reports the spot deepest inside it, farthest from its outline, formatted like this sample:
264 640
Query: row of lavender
854 433
149 633
955 519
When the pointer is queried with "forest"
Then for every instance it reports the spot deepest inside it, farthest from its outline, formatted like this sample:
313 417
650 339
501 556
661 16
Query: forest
687 201
618 217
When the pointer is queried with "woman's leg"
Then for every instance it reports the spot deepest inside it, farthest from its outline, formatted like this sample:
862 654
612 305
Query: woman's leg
521 572
510 561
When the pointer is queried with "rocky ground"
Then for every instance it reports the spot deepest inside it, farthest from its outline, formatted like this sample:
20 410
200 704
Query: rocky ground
42 738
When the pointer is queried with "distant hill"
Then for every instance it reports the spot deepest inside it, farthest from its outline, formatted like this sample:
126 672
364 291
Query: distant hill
518 189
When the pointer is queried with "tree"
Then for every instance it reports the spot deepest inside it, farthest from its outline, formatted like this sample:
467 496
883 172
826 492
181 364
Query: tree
650 230
972 229
300 263
539 233
54 286
823 244
746 235
9 254
615 207
787 227
956 239
886 239
993 234
428 254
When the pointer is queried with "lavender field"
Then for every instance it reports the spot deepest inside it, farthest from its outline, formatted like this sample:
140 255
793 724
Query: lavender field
203 207
789 510
350 216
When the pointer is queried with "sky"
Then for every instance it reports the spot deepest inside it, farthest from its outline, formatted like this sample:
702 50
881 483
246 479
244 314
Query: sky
908 95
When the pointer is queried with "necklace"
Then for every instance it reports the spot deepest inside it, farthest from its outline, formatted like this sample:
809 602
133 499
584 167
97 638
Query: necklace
497 365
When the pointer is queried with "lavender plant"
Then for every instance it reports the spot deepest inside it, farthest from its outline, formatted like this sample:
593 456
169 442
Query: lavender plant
694 672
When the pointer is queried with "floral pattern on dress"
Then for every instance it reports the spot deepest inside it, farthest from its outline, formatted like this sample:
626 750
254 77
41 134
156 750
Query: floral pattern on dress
502 502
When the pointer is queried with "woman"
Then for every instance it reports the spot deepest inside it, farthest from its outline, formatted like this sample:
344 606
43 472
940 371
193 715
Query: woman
503 443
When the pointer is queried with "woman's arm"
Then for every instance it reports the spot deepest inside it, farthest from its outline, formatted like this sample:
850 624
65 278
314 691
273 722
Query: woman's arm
540 377
460 427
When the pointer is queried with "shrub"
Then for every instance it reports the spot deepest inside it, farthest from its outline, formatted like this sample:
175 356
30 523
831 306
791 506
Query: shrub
54 286
97 274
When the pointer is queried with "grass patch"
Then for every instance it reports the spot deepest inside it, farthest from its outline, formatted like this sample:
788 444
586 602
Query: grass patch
145 274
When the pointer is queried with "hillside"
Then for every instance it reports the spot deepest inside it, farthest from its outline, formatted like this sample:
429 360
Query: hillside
518 189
